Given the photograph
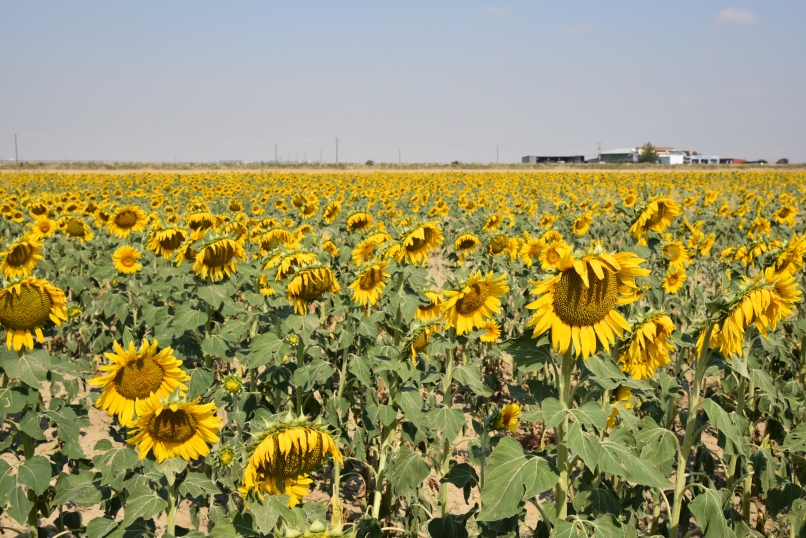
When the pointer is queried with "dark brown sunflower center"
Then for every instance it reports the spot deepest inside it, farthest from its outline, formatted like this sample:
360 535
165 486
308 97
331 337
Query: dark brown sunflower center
39 210
29 309
784 212
465 244
418 243
234 206
20 255
200 224
371 279
657 216
172 242
472 300
219 257
126 219
579 306
139 378
315 286
359 223
172 426
75 228
297 461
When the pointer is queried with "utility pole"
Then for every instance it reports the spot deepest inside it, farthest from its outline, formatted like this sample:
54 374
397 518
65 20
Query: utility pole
16 154
275 154
599 150
337 150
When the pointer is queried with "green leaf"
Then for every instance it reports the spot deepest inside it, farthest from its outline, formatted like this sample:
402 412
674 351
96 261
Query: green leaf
31 367
171 467
142 503
658 444
621 460
470 376
411 402
201 379
408 472
526 354
114 462
303 326
196 484
214 295
606 527
597 501
264 348
461 475
447 422
730 425
35 474
450 526
707 510
216 345
590 414
100 527
797 517
513 477
30 424
781 498
187 319
268 511
553 412
585 445
83 489
569 529
360 367
795 440
11 401
313 375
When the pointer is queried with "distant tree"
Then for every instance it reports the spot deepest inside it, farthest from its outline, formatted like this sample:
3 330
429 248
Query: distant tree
648 154
783 161
370 163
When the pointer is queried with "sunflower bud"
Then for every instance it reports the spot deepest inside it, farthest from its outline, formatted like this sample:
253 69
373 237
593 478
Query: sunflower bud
232 384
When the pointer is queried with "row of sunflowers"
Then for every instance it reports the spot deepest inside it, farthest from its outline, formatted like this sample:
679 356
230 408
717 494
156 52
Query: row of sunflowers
403 354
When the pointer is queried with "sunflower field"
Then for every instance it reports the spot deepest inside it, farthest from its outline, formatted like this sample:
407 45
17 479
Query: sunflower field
450 354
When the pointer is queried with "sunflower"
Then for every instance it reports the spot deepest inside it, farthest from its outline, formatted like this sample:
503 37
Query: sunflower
174 427
166 242
648 347
134 375
125 260
552 255
466 244
200 222
475 302
492 331
630 200
43 227
273 238
359 222
288 448
582 224
295 488
674 279
369 284
790 258
493 222
786 215
288 263
764 301
656 216
432 310
420 241
331 248
498 245
707 245
364 251
623 401
126 220
331 212
217 257
760 226
38 210
531 250
310 283
547 220
676 253
75 228
508 418
578 304
20 258
418 340
25 306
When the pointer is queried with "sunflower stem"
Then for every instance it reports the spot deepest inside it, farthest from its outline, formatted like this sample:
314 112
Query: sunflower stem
300 364
208 359
446 443
170 513
682 455
561 490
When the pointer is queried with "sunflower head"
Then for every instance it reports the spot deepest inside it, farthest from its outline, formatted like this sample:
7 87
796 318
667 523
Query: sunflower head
432 310
126 220
309 283
165 242
360 221
125 261
232 385
419 241
623 401
25 306
20 258
466 244
674 279
331 212
492 331
43 227
648 346
274 238
508 418
216 257
475 302
75 228
498 244
657 215
578 303
225 457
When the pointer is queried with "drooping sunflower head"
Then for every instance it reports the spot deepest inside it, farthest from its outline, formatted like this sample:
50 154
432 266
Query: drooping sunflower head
623 400
287 448
578 303
165 242
308 210
20 258
274 238
676 253
310 282
552 254
432 310
648 346
789 259
174 427
493 222
786 215
419 338
200 222
369 283
498 245
331 212
492 331
466 244
331 248
124 259
418 242
134 374
217 257
508 418
656 216
38 210
126 220
25 306
360 221
475 302
287 263
75 228
43 227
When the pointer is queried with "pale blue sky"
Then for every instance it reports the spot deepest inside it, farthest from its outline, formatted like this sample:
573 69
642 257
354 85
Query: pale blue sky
443 81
